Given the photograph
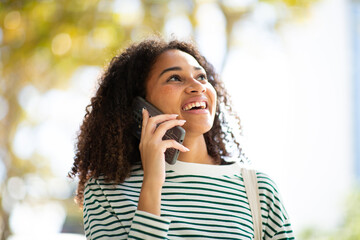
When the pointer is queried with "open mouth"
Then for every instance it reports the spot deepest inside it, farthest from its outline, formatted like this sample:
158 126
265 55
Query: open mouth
195 106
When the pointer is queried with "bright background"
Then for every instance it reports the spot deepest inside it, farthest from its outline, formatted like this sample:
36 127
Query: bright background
292 68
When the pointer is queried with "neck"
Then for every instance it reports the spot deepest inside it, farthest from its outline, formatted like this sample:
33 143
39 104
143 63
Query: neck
198 151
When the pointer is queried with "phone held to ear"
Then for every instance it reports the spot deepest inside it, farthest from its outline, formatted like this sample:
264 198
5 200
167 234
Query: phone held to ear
177 133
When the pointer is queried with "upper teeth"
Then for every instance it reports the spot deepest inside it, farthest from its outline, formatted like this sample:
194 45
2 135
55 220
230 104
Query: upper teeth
194 104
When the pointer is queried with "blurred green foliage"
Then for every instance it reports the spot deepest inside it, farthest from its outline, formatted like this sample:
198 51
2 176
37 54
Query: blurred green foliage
43 42
348 230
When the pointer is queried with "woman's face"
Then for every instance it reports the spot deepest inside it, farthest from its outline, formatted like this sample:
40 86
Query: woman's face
177 84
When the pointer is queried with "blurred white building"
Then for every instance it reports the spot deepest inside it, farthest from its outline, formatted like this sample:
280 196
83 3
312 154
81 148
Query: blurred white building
294 92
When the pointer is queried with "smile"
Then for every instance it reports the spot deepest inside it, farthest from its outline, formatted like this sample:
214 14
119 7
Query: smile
194 105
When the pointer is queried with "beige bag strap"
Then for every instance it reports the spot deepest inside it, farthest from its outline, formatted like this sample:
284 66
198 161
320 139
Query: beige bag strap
252 192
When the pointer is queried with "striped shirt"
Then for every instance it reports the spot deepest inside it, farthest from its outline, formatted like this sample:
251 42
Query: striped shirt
198 201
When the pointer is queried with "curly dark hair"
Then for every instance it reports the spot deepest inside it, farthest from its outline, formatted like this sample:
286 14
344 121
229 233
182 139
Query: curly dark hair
105 144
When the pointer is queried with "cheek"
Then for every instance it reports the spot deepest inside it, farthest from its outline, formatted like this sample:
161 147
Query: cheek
164 98
166 94
169 98
156 94
168 90
212 95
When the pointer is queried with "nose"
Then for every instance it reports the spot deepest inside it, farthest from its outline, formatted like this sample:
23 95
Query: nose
195 87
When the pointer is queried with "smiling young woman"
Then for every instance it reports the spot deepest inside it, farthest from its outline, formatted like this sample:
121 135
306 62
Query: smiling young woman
126 188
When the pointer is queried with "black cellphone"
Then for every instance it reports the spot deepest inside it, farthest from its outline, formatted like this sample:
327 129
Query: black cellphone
177 133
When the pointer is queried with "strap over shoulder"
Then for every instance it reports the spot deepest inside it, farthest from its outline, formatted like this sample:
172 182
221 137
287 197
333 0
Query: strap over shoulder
252 192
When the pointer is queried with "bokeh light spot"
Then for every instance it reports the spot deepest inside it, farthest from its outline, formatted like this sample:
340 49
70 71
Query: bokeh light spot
16 188
128 12
179 25
140 32
36 186
12 20
7 202
59 188
23 144
37 219
84 81
183 6
101 37
2 170
61 44
1 35
238 5
28 97
4 107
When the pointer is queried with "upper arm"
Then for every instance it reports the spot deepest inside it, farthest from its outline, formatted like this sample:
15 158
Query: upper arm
276 222
100 221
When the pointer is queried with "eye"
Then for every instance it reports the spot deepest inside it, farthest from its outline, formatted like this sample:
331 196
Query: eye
202 77
174 78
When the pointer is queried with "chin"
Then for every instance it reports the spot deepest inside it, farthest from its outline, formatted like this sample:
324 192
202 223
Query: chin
199 128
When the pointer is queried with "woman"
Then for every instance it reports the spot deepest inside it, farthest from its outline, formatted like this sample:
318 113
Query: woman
126 188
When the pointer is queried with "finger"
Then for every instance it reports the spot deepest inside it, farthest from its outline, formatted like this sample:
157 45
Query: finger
153 122
145 119
162 118
174 144
161 130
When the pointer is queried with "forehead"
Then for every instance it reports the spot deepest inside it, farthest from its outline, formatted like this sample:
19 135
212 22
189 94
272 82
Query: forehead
174 57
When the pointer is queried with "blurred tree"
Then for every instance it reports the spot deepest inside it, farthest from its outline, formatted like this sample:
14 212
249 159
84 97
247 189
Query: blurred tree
42 43
349 229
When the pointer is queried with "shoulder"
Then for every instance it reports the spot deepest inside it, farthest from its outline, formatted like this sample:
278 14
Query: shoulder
93 190
101 186
276 219
268 188
266 183
263 179
135 172
270 196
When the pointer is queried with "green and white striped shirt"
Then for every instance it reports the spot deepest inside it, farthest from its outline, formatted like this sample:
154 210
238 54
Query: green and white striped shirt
198 201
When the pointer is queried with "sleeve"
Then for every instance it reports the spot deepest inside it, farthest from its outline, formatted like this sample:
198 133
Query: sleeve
276 222
148 226
101 221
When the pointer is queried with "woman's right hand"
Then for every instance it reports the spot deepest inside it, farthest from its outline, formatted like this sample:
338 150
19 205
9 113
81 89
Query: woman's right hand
152 147
152 150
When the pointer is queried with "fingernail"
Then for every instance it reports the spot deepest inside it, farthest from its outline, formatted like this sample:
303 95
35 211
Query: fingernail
143 109
187 149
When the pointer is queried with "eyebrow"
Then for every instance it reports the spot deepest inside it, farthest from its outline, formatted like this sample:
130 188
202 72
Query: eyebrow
176 69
